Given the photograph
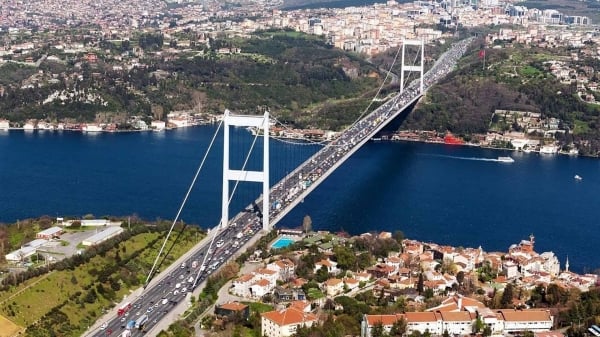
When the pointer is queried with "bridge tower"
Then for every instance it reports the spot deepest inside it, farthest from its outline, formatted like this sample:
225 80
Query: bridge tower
260 123
406 67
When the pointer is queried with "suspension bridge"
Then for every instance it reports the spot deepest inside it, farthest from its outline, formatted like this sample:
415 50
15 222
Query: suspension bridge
275 201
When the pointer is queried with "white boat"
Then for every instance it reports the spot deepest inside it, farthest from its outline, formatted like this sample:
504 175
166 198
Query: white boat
506 160
578 177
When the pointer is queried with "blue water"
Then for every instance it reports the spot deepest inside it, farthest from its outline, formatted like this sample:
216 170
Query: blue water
282 243
431 192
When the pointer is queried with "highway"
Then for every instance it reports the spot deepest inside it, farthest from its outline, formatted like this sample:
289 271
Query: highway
284 195
173 287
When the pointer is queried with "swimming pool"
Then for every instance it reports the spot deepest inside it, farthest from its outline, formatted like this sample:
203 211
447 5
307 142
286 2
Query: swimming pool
282 242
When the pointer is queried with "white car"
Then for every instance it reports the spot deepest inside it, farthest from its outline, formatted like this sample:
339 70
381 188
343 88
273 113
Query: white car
191 279
220 243
184 290
176 292
103 326
177 285
165 301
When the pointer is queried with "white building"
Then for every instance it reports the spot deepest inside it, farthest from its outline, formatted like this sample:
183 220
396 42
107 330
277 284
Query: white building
241 285
4 124
285 322
158 125
20 254
526 320
102 236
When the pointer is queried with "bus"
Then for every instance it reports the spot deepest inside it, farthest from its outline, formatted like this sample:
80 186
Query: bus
139 324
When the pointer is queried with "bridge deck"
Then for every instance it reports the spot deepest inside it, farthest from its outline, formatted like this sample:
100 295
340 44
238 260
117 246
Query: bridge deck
293 188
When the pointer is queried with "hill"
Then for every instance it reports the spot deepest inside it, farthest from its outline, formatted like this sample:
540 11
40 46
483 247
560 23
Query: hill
513 78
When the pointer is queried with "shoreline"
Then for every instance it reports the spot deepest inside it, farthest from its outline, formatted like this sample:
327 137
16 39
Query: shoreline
100 131
481 146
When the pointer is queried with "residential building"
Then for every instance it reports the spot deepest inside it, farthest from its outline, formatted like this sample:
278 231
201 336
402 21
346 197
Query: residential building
232 309
49 233
334 286
285 322
526 320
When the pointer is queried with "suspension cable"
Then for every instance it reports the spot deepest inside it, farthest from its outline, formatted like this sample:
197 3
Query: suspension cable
187 194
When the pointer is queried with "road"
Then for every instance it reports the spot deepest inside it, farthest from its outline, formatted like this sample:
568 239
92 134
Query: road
165 292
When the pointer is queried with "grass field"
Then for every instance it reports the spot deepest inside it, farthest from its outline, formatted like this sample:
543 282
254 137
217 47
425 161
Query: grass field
8 328
25 305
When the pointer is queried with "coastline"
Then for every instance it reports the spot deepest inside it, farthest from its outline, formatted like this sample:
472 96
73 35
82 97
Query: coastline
427 141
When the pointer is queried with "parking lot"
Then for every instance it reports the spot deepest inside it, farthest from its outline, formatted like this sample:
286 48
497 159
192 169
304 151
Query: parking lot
66 245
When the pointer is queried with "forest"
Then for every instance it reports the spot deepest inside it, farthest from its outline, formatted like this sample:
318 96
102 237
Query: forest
291 74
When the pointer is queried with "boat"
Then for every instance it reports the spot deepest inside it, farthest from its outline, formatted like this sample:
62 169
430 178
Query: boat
578 177
506 159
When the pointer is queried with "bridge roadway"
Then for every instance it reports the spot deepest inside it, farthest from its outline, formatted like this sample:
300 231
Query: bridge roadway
285 195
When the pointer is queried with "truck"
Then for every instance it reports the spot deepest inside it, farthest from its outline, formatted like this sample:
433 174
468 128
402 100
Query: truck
130 325
126 333
123 309
139 324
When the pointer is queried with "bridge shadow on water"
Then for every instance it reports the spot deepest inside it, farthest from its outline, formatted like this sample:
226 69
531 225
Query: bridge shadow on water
395 123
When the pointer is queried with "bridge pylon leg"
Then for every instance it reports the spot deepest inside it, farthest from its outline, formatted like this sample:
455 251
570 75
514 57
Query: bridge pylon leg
261 123
417 68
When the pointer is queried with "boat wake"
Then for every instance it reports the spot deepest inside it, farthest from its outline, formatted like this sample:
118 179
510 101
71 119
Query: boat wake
466 158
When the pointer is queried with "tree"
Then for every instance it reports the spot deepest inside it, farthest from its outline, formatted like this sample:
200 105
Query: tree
507 296
322 274
487 331
398 236
307 224
377 330
420 283
477 325
345 257
445 333
398 328
460 277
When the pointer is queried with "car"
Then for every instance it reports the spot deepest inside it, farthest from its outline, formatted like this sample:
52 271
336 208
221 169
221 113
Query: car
150 310
138 313
103 326
123 319
227 252
191 279
183 265
220 243
184 290
176 292
165 301
178 285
